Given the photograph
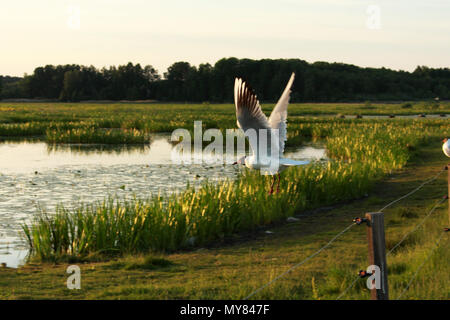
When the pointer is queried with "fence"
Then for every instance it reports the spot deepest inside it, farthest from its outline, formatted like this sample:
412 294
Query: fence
377 248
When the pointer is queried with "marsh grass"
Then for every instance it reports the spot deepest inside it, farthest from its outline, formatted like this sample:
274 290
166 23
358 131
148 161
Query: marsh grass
361 154
26 119
22 129
93 135
234 269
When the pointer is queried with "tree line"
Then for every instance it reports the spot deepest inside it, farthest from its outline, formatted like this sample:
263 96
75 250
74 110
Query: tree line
183 82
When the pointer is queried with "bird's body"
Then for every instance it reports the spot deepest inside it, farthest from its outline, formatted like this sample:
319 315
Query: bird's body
252 162
446 147
267 136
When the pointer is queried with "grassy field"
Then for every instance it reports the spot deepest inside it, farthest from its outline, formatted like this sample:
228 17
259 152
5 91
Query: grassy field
233 268
213 237
56 122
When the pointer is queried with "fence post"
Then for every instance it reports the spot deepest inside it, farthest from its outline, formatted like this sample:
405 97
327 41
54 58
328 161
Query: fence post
448 181
377 252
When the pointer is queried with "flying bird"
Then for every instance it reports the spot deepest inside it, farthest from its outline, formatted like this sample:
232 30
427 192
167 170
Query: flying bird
446 147
260 131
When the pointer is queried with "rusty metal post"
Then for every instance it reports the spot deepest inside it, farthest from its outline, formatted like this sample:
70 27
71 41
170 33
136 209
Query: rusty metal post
377 252
448 182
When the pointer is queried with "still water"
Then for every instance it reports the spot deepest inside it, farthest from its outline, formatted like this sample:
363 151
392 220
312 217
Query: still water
34 174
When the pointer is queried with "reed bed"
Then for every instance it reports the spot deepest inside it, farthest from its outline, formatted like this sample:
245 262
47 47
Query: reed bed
93 135
22 129
361 153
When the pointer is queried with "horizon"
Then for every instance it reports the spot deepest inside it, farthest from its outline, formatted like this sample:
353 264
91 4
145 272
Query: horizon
212 64
368 34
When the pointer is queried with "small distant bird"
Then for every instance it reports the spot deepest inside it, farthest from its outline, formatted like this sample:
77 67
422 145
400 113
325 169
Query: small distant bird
250 116
446 147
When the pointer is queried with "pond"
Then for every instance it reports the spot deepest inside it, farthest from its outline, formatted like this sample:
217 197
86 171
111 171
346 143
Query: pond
34 174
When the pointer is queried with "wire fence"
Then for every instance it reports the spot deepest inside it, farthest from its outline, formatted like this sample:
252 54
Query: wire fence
343 293
415 190
398 243
301 262
436 246
417 226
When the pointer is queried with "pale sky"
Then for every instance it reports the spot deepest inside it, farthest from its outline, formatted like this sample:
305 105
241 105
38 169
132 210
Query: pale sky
397 34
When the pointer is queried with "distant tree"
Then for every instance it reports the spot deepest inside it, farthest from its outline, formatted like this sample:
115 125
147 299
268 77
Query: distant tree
128 81
178 72
73 86
203 84
224 72
318 81
151 74
180 79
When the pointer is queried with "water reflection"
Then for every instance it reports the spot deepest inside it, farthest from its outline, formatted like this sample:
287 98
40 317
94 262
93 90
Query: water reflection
96 148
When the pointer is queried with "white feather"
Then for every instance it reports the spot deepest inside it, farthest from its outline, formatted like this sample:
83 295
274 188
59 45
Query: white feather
278 118
250 116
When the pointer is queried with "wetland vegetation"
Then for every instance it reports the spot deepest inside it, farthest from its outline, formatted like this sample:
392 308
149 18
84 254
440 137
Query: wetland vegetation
362 154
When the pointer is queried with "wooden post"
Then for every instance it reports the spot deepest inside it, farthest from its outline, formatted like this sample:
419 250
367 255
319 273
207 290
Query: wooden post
377 252
448 181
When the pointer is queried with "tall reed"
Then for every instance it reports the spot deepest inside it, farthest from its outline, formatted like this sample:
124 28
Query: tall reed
361 154
93 135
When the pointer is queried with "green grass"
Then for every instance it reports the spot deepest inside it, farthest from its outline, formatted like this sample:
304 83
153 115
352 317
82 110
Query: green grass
88 122
209 243
362 153
92 135
167 117
232 269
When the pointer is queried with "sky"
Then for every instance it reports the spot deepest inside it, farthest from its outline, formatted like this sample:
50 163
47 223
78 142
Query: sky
396 34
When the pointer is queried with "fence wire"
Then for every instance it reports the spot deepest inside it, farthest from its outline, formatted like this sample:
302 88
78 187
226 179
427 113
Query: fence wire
301 262
417 226
348 288
414 191
390 204
398 243
421 265
351 225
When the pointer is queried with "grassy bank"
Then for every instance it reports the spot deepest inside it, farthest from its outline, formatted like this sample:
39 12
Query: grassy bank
362 153
210 243
233 268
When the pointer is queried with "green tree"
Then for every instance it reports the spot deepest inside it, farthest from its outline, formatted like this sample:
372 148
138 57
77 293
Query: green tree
73 86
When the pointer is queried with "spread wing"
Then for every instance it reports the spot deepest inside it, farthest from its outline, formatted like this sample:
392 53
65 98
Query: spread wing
290 162
278 118
249 114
